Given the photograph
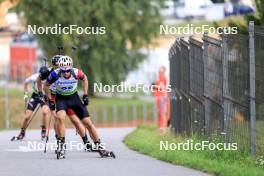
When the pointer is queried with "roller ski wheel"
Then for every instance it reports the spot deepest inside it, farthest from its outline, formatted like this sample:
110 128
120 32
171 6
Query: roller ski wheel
105 154
43 133
14 138
61 149
112 155
60 154
19 137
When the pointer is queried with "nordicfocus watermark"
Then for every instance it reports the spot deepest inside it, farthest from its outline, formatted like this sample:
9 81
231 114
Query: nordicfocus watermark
135 88
58 29
203 145
71 145
190 29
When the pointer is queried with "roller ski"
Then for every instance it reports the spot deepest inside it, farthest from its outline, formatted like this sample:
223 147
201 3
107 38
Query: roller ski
102 152
43 133
105 154
20 136
61 150
60 154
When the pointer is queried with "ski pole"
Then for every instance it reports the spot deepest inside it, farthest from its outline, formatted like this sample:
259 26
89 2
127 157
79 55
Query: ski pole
31 118
45 61
26 103
33 115
60 48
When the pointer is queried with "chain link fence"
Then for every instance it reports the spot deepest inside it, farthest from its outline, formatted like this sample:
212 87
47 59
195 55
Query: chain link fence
213 81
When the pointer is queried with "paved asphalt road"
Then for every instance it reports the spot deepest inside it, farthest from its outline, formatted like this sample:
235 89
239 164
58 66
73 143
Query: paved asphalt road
17 160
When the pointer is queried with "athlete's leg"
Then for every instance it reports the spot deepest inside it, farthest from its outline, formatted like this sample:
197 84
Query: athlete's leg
45 115
60 126
83 114
61 107
91 128
94 135
53 114
30 108
80 129
26 119
78 125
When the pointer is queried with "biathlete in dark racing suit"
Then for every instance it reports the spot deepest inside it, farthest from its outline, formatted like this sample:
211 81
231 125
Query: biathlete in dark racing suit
74 119
66 79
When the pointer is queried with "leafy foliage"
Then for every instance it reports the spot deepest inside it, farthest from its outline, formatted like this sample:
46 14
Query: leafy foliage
107 58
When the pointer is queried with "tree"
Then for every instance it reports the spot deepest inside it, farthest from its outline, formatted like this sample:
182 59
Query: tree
260 5
107 58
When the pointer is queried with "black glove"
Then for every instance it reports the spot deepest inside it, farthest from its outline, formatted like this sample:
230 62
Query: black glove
85 100
52 105
40 94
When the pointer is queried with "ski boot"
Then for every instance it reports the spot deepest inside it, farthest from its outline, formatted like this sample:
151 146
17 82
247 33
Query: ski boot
20 136
102 152
87 144
43 133
61 149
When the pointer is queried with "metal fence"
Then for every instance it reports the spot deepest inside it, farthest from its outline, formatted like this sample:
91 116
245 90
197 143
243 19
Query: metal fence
124 113
213 82
259 66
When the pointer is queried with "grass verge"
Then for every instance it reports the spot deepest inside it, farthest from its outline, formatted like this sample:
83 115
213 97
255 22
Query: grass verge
146 140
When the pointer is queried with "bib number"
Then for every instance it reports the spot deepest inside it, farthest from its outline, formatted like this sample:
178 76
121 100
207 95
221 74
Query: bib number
67 88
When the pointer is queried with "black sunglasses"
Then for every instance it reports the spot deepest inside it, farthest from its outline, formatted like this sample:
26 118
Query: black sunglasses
65 71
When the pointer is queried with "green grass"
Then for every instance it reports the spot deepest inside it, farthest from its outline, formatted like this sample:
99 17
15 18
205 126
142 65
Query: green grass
146 140
240 133
11 93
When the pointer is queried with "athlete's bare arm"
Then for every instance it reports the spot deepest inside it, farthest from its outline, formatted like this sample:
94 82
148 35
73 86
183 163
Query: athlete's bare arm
39 83
85 84
47 90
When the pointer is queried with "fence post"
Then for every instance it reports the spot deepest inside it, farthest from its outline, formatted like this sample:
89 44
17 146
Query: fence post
144 112
114 112
94 116
252 96
134 115
155 113
7 120
206 101
105 116
172 94
225 86
191 67
125 115
23 73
